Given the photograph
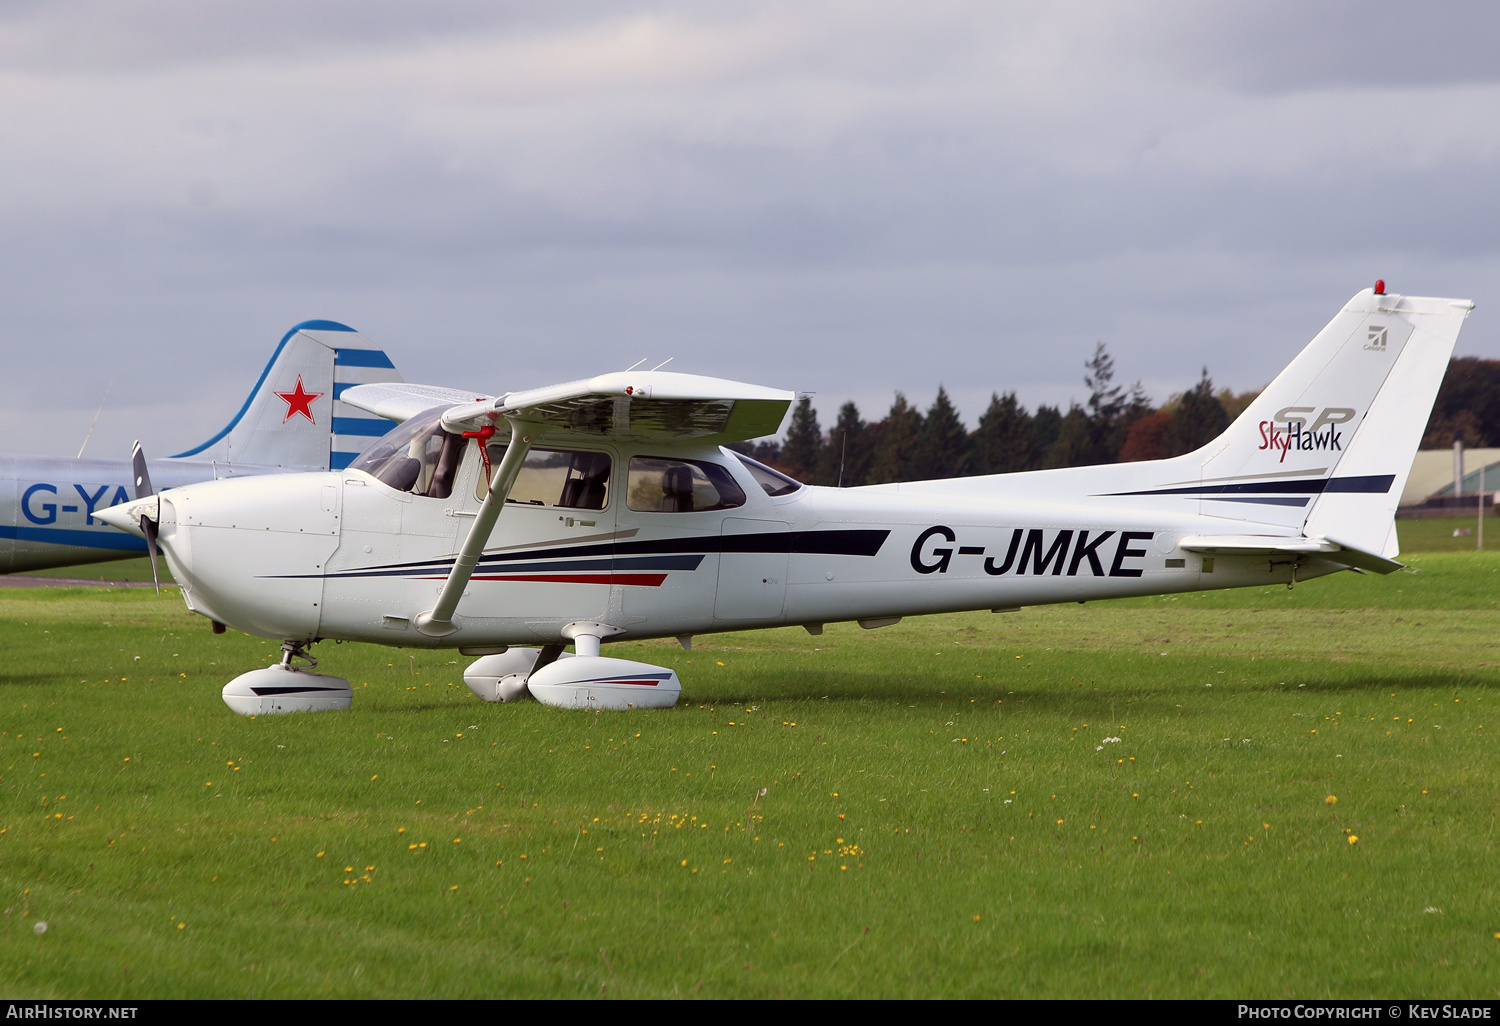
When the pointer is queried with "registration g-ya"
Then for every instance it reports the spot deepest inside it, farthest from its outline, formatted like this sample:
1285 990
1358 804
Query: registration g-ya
513 526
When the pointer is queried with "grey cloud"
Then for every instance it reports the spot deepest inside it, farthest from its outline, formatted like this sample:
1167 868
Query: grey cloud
848 198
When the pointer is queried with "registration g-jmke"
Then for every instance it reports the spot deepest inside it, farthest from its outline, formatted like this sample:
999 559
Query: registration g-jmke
511 527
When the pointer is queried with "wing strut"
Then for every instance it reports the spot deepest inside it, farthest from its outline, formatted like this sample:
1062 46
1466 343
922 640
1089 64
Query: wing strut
438 621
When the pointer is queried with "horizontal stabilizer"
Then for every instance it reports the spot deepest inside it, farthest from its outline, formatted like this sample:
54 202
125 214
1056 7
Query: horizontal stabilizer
399 401
1269 545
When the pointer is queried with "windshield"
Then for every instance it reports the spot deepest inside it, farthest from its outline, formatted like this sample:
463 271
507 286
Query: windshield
417 457
773 481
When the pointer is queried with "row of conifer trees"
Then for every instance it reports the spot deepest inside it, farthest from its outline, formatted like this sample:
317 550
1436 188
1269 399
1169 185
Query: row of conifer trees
1116 424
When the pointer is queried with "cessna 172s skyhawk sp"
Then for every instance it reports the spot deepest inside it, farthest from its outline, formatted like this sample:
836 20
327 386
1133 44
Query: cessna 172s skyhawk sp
608 508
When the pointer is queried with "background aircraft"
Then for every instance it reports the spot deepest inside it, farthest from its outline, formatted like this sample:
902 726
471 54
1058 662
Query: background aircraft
293 420
625 517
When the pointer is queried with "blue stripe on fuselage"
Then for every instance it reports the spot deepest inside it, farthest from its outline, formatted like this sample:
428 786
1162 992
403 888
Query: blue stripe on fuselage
114 541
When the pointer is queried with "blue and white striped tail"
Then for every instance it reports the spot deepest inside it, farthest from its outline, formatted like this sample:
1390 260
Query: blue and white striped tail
294 417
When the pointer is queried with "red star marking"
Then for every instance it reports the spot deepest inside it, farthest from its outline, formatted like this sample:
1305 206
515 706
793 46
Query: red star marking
299 401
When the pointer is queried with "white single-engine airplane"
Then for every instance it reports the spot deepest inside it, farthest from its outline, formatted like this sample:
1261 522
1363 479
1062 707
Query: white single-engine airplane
608 508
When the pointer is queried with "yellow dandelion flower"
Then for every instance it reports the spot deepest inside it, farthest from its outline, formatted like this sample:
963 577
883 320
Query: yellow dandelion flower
1353 838
1331 799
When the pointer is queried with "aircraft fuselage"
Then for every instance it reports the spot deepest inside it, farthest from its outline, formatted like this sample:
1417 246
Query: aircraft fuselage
346 555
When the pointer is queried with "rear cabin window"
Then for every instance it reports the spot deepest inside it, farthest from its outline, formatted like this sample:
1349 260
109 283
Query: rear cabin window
556 477
660 485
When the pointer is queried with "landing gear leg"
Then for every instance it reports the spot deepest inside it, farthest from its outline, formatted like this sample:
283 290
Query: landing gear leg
296 650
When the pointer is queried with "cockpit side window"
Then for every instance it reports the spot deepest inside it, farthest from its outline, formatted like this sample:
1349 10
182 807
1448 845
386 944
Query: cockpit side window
418 457
660 485
572 479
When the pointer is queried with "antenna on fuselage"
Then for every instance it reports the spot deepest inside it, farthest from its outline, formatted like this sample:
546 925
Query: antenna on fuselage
633 366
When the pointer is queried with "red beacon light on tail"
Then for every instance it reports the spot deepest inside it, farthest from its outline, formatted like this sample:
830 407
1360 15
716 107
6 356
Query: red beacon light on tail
1380 286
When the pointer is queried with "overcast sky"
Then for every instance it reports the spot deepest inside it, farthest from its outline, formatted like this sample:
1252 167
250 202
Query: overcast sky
846 198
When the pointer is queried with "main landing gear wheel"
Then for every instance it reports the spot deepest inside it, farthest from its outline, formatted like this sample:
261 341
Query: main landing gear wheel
286 688
583 681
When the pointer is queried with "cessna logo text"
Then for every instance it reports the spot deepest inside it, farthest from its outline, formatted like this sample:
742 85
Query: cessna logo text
1289 431
1036 552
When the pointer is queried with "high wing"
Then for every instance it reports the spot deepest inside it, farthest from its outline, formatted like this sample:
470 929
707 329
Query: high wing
624 404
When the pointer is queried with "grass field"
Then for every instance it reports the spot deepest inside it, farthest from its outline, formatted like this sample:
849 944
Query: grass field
945 809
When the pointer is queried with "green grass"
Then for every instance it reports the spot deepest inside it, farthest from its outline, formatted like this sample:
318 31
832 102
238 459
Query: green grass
134 569
942 815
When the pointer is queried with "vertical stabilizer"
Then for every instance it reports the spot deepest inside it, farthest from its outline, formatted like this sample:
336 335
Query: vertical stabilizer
1383 446
1337 430
294 416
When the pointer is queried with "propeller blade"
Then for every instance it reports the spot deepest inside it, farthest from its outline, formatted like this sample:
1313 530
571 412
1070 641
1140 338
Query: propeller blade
139 472
149 527
143 489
